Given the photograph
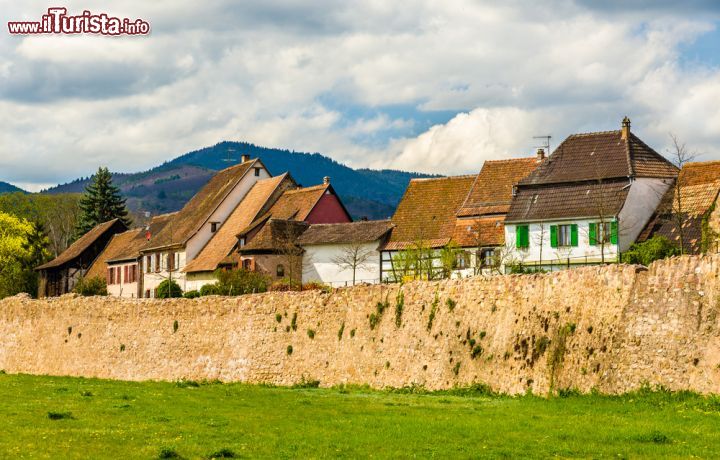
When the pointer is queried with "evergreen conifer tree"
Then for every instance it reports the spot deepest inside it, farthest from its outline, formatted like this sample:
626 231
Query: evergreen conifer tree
100 203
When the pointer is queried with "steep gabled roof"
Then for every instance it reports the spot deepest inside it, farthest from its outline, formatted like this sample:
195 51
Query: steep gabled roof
701 172
492 191
427 211
294 204
198 210
224 240
345 233
600 156
275 235
83 243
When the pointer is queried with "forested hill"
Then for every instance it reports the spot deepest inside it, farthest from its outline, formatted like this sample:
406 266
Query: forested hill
9 188
365 192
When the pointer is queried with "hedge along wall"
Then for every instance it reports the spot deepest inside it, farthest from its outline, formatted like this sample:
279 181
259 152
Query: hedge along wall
612 328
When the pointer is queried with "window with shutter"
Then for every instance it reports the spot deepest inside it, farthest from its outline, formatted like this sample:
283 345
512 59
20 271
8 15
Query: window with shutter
522 236
614 232
553 236
574 235
592 230
157 262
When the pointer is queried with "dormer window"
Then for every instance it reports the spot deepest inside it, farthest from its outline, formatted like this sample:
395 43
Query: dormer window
214 226
242 242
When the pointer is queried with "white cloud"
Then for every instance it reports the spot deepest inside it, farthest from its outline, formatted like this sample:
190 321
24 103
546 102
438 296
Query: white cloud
290 74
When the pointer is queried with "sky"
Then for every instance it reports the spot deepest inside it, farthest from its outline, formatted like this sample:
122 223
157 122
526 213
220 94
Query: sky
436 87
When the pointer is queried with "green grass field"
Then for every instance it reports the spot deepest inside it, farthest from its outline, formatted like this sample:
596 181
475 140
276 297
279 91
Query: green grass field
53 417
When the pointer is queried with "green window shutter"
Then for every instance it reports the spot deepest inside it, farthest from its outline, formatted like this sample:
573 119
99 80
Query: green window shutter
518 236
614 232
593 233
553 236
573 235
522 236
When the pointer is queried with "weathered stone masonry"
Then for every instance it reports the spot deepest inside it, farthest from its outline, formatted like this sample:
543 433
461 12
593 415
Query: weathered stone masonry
613 328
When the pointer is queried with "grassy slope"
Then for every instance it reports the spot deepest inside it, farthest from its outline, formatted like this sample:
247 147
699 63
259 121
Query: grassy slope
136 420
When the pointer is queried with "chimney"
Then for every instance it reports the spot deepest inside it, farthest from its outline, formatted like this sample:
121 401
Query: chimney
625 131
326 180
540 155
244 158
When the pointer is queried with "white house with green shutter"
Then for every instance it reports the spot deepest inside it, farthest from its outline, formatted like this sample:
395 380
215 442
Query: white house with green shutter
588 202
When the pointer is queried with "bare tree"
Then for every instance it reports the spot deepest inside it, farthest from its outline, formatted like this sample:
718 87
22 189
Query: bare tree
284 241
539 240
679 155
353 256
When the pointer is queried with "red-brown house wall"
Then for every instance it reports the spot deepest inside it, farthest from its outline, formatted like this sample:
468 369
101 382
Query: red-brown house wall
328 210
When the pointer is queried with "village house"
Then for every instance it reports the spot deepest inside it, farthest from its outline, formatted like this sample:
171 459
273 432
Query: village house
466 213
120 262
268 244
689 215
343 254
60 275
258 201
165 256
588 202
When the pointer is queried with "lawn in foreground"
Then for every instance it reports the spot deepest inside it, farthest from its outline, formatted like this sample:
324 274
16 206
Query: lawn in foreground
57 417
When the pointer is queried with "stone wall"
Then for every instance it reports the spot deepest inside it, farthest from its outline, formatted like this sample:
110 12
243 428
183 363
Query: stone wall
612 328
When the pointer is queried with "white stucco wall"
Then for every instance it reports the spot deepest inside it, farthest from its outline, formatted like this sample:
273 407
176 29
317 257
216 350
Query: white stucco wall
318 265
153 279
642 201
194 281
540 250
120 288
200 239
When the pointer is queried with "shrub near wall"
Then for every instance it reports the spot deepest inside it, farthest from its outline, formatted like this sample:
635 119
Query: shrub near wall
612 328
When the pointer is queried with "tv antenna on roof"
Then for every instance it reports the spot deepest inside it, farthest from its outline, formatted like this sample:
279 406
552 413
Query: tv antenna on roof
228 159
546 145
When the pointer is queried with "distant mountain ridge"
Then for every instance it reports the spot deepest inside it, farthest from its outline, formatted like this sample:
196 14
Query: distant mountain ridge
9 188
365 192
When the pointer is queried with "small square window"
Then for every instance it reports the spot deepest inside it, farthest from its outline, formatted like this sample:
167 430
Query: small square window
564 235
257 172
214 226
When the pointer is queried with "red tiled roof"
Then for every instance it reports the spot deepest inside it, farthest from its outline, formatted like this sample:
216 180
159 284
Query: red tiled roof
427 211
492 191
275 235
486 231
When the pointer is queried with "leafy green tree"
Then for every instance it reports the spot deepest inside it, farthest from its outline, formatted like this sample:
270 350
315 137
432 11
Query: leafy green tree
22 248
100 203
240 281
657 247
57 214
167 289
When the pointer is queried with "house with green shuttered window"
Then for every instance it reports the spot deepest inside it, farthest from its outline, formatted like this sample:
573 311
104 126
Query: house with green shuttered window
587 202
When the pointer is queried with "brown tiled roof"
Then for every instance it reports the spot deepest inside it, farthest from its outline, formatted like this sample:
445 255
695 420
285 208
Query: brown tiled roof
275 235
200 207
486 231
224 240
345 233
602 155
126 246
696 201
491 192
83 243
117 245
568 201
700 173
294 204
427 211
